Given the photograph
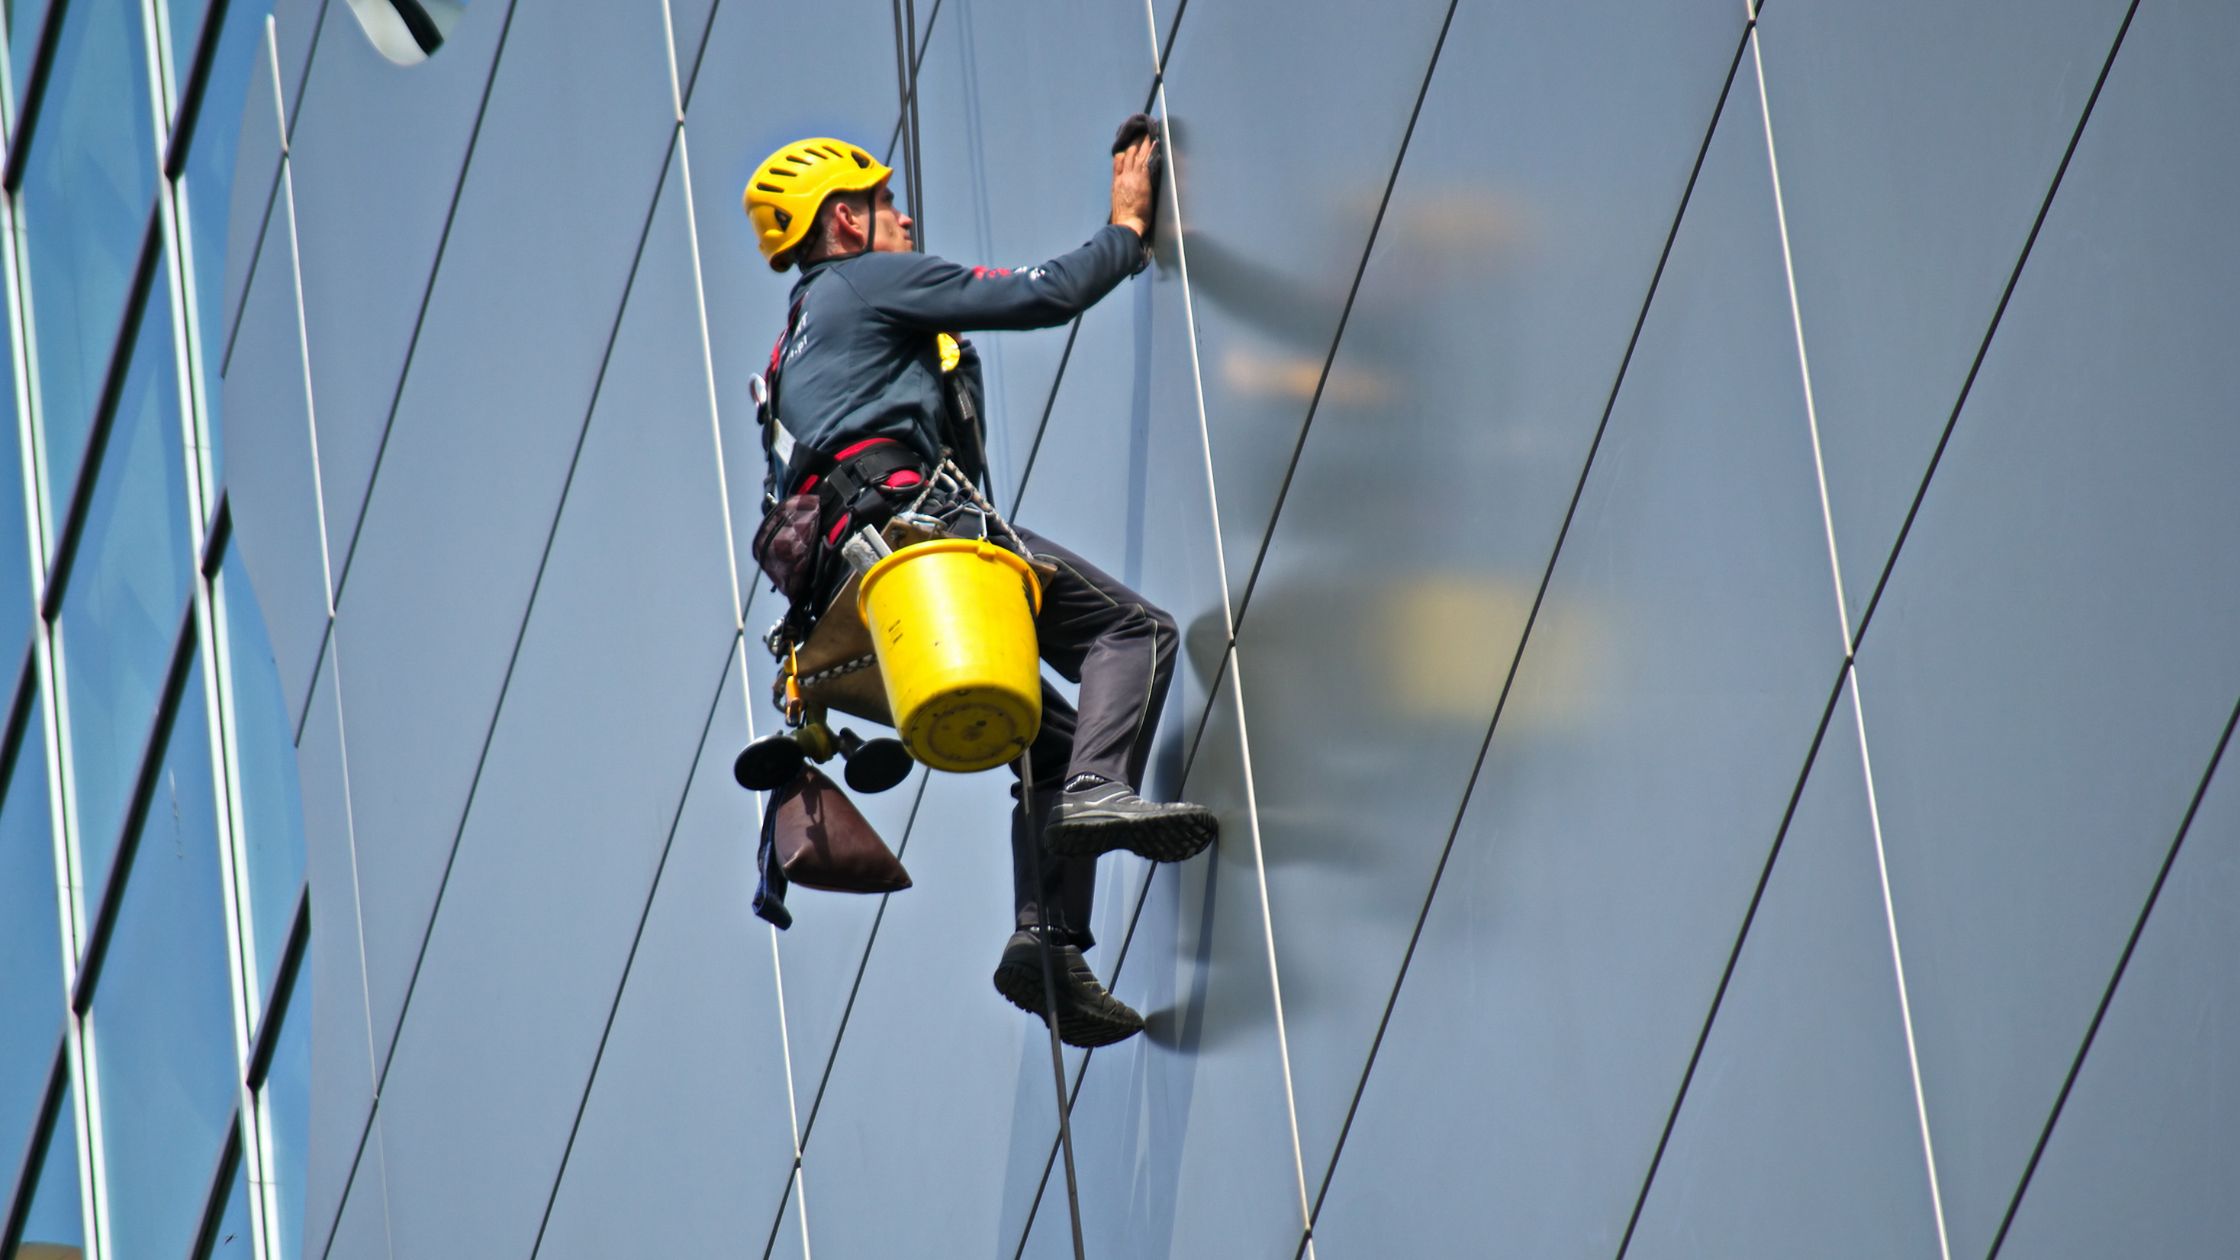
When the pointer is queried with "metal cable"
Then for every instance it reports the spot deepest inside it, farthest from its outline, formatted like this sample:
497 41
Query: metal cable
915 146
1050 1004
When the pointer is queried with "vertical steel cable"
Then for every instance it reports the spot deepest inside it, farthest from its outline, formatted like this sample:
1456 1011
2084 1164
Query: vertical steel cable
906 53
1050 1007
915 146
895 136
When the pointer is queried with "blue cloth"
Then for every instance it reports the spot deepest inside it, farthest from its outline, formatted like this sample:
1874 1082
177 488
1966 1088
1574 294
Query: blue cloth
770 885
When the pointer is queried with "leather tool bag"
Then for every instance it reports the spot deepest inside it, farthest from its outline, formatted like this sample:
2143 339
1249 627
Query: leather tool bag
819 840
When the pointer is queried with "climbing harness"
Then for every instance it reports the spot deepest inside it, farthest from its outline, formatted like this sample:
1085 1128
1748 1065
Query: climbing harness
833 526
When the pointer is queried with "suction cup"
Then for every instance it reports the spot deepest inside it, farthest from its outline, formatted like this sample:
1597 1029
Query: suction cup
874 765
768 763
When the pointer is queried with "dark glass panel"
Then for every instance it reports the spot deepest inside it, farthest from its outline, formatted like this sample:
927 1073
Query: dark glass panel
162 1015
126 596
33 1003
57 1216
88 188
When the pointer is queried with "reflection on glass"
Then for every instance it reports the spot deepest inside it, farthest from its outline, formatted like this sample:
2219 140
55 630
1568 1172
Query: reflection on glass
127 591
32 999
208 190
407 31
16 611
25 17
286 1100
230 1240
186 29
163 1047
264 747
58 1221
87 191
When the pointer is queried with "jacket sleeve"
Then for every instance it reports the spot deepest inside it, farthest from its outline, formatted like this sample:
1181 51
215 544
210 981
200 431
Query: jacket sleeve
922 291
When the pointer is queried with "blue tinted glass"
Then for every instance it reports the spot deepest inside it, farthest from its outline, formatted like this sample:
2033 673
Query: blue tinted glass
231 1239
57 1215
25 17
126 592
162 1008
264 750
16 610
286 1099
209 181
87 190
31 992
186 28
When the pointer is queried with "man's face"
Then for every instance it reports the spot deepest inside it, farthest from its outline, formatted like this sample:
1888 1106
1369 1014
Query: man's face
890 227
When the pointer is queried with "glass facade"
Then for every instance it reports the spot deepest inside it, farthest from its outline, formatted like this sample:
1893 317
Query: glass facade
151 839
84 210
1706 562
31 993
51 1203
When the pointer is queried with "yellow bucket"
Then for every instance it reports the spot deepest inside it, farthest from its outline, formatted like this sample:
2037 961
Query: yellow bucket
952 622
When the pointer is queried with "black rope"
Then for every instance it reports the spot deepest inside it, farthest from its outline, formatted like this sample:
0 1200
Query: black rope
2108 996
1998 315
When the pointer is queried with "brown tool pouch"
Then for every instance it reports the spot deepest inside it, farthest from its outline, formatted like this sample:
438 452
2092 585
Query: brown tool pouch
821 841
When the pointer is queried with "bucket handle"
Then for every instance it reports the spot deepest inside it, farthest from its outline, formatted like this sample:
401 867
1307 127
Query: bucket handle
988 548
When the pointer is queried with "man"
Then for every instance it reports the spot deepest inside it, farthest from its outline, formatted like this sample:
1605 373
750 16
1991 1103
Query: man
857 392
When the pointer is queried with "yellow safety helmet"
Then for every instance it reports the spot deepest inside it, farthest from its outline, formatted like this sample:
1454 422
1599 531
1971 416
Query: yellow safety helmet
783 197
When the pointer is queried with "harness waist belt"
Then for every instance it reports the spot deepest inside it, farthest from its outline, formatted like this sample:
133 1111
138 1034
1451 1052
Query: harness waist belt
851 486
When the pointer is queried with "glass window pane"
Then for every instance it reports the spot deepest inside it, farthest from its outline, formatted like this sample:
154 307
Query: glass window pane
25 17
57 1219
186 28
264 747
163 1007
231 1239
87 190
209 185
127 590
286 1100
32 999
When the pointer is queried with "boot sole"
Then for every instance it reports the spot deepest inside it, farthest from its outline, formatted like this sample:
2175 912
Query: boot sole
1020 983
1170 837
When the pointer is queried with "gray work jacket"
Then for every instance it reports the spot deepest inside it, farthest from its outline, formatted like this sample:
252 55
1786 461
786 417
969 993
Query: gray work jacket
860 360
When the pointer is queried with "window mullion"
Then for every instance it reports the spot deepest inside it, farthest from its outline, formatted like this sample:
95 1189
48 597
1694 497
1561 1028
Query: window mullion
93 1180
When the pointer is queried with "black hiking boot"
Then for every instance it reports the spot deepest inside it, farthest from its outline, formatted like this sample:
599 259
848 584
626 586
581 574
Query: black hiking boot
1097 815
1087 1015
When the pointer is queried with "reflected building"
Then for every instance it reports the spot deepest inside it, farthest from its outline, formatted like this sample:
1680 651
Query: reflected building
154 1055
1706 557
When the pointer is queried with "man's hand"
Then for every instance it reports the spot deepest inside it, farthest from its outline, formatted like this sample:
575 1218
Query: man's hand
1131 187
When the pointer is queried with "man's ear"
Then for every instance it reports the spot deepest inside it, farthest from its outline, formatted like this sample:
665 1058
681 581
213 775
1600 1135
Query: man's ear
852 217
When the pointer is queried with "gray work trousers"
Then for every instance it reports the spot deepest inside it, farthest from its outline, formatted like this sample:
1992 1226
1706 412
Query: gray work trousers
1121 648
